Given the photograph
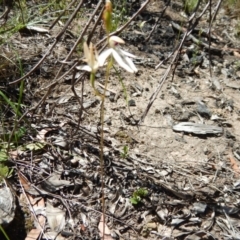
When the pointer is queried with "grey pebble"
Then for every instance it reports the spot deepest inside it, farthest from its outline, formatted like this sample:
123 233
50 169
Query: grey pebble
203 110
131 103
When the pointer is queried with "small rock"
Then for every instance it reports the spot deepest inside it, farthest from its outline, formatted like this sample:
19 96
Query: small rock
206 151
197 128
216 84
108 121
237 154
112 97
180 139
203 110
185 116
185 58
7 206
229 135
136 94
74 162
199 207
131 103
175 92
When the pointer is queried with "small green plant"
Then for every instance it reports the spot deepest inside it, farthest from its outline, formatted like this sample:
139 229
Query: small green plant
5 172
10 139
190 5
3 154
119 16
138 195
232 8
124 153
13 137
237 66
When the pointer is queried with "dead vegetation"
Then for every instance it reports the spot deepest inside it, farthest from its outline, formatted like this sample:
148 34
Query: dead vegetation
171 135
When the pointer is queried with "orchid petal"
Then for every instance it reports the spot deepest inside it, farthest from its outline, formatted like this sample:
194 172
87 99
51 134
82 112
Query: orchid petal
131 64
92 58
116 39
103 56
86 51
95 67
84 68
120 61
127 54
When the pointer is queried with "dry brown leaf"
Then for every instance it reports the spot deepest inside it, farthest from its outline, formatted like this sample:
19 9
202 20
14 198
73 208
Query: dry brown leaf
82 228
41 134
14 154
234 165
102 227
33 234
36 204
24 182
41 218
31 199
41 222
236 54
196 70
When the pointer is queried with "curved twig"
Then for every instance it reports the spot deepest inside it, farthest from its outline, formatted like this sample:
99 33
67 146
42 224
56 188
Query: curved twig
53 45
191 25
119 30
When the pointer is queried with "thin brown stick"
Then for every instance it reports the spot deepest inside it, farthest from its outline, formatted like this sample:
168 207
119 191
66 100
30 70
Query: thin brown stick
119 30
158 20
52 46
209 39
95 26
216 10
77 42
84 30
191 25
61 14
57 78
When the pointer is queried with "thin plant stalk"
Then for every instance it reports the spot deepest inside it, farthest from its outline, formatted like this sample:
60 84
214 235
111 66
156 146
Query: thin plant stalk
17 111
122 83
110 64
4 233
107 21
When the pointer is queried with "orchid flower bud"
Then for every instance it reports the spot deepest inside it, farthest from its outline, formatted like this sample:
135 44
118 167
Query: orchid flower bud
107 16
115 40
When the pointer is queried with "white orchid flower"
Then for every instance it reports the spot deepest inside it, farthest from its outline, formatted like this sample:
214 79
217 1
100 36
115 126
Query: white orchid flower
91 57
122 57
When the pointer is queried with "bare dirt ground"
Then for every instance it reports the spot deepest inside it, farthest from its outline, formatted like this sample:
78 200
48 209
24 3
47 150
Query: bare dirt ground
191 174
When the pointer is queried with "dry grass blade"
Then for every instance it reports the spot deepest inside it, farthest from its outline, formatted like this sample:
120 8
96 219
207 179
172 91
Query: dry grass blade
176 175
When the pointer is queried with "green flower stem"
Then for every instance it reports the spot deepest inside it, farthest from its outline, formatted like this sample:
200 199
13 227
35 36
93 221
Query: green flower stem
4 233
92 80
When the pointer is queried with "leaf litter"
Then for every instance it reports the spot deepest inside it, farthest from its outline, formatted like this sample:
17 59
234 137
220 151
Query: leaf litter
191 175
